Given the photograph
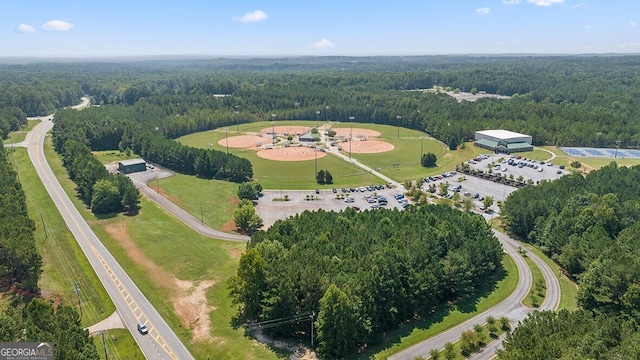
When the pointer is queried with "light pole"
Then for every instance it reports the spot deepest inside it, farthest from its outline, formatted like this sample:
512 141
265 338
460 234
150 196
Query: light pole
226 135
421 153
398 117
350 134
326 112
615 156
317 118
598 138
273 128
237 119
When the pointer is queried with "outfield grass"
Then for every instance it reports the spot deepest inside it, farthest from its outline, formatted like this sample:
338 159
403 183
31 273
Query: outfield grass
299 175
290 175
443 319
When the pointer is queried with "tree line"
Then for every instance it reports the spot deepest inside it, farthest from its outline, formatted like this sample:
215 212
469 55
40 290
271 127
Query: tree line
559 100
361 273
30 319
100 190
131 129
20 262
589 225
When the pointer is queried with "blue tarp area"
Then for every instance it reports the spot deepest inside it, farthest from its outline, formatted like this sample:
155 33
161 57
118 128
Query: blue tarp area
602 153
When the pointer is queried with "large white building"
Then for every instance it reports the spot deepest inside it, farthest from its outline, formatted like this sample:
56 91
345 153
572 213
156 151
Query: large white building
503 141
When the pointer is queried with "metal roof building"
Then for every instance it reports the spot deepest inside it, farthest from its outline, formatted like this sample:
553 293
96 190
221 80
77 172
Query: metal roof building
132 165
503 141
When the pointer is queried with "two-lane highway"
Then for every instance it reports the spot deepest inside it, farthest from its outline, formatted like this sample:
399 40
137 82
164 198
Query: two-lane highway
133 307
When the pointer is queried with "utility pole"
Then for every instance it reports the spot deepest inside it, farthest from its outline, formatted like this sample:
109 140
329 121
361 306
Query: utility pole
104 346
226 135
237 118
273 128
313 315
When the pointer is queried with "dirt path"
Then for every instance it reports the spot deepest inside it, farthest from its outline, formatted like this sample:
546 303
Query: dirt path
188 298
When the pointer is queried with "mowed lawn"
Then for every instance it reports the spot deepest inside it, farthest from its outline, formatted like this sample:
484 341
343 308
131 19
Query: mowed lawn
178 254
291 175
160 253
401 163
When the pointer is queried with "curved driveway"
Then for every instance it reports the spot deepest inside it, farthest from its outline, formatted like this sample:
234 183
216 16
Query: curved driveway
133 307
511 307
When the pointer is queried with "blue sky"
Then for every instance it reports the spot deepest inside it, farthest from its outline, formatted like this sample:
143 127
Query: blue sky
69 28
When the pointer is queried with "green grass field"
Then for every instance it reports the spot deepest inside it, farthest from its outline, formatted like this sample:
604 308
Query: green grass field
182 253
403 162
413 333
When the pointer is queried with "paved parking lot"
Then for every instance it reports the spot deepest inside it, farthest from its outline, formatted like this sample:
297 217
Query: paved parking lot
270 210
548 172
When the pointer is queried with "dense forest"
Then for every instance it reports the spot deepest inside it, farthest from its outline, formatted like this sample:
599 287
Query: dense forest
572 100
590 226
362 273
30 319
20 263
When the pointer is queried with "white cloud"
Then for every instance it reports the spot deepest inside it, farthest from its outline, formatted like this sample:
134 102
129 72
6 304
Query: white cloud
483 11
630 45
24 28
544 2
323 44
250 17
511 2
57 25
632 23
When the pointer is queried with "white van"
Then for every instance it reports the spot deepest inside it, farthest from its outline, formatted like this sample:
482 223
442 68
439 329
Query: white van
349 199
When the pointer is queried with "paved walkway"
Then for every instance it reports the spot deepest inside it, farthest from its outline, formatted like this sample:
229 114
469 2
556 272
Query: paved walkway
112 322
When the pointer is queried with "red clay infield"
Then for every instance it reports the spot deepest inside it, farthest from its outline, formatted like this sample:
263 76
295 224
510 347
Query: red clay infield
356 132
244 141
297 153
287 130
367 147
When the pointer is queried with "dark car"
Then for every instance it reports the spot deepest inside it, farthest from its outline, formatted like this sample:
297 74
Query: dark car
143 329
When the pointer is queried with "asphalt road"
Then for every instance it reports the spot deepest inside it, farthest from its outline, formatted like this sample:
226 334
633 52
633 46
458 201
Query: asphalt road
141 180
133 307
511 307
